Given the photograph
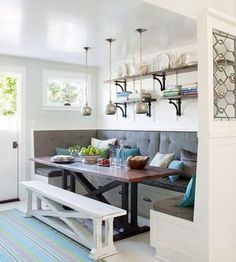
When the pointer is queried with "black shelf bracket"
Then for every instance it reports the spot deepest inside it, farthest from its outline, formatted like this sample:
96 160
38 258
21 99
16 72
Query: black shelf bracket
122 85
123 110
177 105
149 114
161 81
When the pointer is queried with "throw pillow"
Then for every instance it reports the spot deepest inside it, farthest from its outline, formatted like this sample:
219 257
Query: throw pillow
128 152
189 195
175 164
62 151
162 160
102 144
190 163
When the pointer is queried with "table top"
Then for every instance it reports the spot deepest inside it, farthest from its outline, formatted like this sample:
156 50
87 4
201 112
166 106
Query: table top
123 174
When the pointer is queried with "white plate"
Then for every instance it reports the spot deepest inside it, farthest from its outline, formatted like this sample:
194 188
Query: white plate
162 62
62 159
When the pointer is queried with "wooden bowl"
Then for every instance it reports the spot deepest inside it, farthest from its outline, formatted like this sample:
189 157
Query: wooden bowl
135 163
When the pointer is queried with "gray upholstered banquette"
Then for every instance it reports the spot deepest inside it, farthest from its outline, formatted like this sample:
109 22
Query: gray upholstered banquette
149 143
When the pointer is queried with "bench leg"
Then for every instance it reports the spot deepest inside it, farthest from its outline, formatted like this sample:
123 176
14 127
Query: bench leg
29 204
39 203
100 249
109 232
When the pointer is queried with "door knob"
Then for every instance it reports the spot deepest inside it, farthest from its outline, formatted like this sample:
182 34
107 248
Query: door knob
15 144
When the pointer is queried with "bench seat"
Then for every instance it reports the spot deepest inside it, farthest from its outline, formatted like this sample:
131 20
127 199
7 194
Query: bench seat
71 222
48 171
168 206
179 186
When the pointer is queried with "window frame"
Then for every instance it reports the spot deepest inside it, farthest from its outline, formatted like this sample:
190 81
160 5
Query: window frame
63 75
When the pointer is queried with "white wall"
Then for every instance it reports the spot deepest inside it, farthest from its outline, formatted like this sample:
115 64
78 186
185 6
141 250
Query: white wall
163 114
189 8
35 117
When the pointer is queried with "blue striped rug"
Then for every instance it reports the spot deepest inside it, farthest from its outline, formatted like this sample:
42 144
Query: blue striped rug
30 240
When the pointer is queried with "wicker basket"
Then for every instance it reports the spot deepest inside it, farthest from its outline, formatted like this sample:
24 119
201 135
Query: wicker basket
136 163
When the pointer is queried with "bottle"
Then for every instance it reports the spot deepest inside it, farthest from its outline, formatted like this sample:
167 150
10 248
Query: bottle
122 154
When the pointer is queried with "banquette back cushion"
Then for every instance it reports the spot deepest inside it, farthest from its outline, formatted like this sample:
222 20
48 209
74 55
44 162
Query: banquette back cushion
150 142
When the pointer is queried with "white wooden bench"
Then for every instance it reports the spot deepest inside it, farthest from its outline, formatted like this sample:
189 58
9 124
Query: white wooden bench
69 221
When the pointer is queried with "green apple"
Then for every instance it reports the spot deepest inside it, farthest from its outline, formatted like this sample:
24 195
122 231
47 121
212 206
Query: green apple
98 152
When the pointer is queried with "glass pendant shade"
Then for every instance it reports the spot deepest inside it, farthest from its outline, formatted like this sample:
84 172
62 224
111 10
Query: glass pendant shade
141 107
86 109
110 107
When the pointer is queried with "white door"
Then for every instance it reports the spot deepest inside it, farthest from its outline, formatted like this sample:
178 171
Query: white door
9 90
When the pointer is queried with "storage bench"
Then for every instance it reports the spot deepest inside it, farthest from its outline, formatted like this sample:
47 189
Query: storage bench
168 206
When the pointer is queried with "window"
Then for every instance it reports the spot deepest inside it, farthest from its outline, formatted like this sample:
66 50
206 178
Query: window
8 100
63 90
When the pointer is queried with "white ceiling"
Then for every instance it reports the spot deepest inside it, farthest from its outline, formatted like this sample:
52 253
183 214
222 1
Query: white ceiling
58 29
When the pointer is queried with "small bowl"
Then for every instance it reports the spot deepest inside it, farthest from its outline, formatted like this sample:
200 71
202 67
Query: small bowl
135 163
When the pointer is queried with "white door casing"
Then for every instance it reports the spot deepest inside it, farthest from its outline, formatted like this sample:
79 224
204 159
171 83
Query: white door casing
215 209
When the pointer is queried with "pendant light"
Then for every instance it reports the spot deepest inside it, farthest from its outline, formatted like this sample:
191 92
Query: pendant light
86 109
111 107
141 107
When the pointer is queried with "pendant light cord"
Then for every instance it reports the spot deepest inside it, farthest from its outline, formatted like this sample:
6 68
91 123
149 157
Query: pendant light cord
141 62
86 80
110 101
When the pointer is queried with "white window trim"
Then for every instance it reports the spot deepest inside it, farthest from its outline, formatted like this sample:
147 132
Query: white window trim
61 74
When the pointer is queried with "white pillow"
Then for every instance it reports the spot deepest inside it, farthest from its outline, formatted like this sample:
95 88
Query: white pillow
162 160
102 144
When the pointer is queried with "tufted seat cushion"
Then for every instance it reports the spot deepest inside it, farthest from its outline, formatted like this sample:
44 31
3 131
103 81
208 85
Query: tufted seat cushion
168 206
48 171
179 186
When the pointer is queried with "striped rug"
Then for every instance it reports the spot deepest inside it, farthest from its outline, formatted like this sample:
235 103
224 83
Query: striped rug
29 240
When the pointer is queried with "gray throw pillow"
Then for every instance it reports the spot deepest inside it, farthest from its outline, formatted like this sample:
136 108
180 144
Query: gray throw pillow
189 160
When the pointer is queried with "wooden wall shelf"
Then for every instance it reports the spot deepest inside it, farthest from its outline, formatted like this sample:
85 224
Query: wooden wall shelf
177 100
166 72
123 106
159 76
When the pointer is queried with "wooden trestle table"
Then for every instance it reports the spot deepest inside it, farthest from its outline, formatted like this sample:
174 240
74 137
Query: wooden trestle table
127 178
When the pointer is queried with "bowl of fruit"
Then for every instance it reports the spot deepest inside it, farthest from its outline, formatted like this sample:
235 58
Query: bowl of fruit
103 162
90 154
137 162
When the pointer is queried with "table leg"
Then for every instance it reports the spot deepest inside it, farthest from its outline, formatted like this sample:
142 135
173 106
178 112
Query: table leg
125 203
72 183
134 204
64 180
132 229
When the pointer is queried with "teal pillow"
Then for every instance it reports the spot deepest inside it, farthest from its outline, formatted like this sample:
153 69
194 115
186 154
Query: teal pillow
189 195
175 164
128 152
62 151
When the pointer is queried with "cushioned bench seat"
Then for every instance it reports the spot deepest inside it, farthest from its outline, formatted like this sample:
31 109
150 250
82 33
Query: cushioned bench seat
48 171
179 186
168 206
